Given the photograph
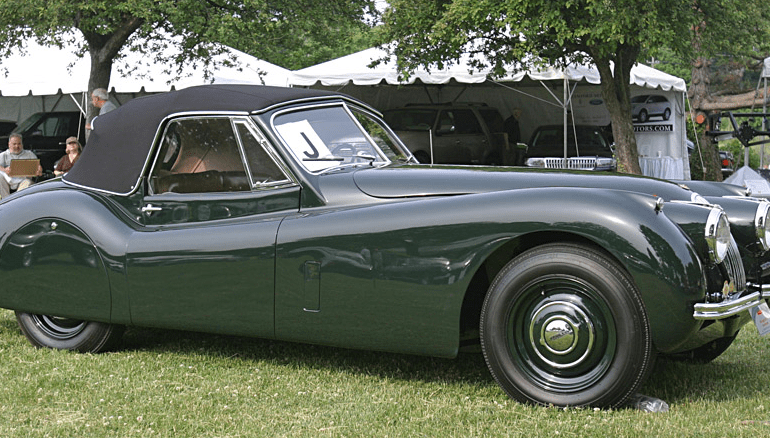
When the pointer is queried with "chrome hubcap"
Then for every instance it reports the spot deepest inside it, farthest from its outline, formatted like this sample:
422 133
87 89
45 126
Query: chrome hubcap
561 334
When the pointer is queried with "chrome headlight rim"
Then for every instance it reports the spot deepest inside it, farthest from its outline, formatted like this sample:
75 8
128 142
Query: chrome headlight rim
762 224
717 234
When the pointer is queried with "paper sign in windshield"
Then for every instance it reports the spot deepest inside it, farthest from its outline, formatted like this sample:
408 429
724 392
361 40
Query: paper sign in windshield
306 145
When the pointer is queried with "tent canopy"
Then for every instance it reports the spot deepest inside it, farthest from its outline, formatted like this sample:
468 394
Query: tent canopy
355 69
545 95
43 70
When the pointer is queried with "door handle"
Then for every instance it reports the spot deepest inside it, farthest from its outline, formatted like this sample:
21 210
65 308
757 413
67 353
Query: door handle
150 209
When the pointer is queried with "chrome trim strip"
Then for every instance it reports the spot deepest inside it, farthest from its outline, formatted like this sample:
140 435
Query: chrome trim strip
728 307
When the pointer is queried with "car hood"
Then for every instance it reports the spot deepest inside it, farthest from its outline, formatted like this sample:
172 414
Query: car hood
413 180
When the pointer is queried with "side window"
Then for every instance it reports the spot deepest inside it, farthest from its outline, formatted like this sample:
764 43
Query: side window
51 126
463 120
199 155
261 165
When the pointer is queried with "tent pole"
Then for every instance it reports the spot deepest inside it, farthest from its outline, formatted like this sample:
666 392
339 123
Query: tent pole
564 105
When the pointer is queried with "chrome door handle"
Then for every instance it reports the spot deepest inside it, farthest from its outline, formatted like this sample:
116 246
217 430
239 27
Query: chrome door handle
149 209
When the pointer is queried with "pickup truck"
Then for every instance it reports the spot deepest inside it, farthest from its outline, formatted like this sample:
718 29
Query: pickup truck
44 134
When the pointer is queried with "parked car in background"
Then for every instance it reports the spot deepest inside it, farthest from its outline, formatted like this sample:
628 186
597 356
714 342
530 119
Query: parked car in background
455 133
650 105
45 134
6 126
728 163
298 215
588 148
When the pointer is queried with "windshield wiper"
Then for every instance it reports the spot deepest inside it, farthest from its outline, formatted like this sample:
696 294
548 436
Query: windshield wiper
326 158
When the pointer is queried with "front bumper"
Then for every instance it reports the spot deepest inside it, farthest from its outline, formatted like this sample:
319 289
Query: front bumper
732 306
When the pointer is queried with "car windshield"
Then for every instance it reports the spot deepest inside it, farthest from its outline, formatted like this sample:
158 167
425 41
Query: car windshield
26 124
332 137
549 142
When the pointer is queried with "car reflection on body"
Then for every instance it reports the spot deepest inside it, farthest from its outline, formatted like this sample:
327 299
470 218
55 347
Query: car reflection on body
297 215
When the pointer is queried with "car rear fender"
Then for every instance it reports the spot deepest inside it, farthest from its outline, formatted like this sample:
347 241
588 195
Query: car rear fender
61 253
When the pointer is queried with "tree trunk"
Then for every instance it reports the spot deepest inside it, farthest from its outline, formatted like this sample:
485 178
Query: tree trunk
709 168
103 49
616 92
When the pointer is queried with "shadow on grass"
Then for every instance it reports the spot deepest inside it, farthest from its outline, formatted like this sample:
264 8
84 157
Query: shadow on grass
732 376
467 368
9 325
736 374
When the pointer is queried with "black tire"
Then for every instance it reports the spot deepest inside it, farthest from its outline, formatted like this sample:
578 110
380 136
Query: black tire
666 114
705 353
594 346
68 334
643 116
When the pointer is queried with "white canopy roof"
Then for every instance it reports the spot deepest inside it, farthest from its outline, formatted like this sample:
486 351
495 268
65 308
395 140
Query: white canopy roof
355 68
43 70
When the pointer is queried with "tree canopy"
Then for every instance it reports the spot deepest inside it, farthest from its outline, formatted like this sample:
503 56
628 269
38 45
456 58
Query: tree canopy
515 34
268 29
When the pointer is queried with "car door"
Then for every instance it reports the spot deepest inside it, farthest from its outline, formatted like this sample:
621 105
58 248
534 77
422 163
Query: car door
204 258
459 137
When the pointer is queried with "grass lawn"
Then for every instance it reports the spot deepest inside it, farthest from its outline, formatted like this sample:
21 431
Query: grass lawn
178 384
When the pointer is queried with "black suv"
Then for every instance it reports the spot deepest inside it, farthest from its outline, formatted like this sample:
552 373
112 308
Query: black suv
460 133
45 134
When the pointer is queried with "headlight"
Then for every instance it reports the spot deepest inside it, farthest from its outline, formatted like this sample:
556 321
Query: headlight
606 163
762 224
535 162
717 234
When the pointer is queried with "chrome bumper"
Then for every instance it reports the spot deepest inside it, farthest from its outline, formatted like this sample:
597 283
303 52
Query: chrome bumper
732 306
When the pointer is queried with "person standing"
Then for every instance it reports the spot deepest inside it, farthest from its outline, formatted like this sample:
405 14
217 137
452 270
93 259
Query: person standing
101 99
15 151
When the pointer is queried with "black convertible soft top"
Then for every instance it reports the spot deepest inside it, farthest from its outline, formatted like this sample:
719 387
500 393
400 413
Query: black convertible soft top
121 140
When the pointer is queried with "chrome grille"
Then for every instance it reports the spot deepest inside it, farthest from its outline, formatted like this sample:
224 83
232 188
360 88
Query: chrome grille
734 266
584 163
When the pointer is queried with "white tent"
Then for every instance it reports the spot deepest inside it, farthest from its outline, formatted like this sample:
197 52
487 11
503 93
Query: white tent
545 95
355 69
44 78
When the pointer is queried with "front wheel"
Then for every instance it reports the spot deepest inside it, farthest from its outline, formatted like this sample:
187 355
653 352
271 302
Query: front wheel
68 334
564 325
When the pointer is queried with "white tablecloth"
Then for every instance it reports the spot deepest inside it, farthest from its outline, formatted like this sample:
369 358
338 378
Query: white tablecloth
663 167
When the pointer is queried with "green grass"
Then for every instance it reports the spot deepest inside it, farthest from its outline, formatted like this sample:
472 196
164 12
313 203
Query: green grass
177 384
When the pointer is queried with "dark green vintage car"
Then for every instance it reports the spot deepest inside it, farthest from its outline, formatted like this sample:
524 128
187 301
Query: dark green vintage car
296 214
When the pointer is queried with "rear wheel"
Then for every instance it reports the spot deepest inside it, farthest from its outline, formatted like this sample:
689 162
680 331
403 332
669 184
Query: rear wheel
643 116
564 325
67 333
